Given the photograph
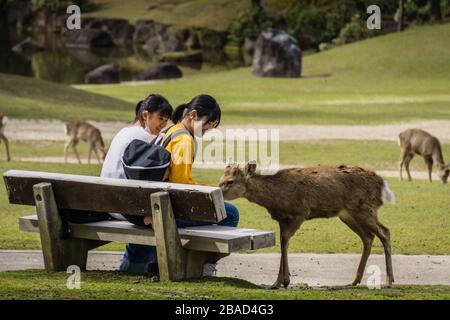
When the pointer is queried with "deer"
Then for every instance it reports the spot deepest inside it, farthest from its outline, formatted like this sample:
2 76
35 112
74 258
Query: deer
417 141
3 122
294 195
77 130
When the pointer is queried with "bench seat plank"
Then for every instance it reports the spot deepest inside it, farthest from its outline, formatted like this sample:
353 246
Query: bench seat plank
96 194
204 238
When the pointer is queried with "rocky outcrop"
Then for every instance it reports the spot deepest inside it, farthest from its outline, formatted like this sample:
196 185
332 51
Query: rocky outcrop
156 37
87 38
27 47
161 71
145 29
277 54
120 30
103 74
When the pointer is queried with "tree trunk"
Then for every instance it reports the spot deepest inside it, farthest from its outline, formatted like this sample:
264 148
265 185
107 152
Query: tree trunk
435 10
400 16
4 34
256 4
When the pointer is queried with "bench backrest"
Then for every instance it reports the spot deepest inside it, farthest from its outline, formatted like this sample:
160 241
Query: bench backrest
96 194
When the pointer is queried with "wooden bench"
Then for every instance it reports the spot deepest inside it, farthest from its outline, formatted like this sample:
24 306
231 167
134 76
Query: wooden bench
181 252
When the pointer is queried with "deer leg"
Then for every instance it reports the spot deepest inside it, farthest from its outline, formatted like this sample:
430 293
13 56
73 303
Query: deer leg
5 140
96 155
287 230
429 163
74 147
383 233
66 149
401 169
407 161
402 161
367 240
89 155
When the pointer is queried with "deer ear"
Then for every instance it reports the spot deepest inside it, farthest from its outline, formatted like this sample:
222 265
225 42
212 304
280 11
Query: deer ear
229 163
250 168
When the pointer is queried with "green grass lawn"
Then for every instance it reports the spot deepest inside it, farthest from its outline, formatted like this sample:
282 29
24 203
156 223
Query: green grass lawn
374 155
419 222
28 98
214 14
384 79
39 284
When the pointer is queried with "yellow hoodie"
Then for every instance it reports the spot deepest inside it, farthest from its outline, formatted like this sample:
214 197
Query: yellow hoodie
182 150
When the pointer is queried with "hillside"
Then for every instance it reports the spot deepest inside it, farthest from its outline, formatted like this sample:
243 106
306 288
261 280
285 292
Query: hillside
24 97
214 14
401 76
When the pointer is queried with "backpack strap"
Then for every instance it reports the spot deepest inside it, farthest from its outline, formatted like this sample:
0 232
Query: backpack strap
166 139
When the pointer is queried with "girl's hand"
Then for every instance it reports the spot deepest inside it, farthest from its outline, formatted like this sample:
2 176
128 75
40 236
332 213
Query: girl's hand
148 221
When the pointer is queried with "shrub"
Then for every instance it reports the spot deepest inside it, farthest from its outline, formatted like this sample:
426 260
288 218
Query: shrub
312 25
418 11
249 25
61 5
354 30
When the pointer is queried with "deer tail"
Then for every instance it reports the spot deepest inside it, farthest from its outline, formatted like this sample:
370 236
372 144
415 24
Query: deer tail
5 120
387 194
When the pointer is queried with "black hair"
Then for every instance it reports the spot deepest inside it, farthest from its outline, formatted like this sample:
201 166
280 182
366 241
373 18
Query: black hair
153 103
205 106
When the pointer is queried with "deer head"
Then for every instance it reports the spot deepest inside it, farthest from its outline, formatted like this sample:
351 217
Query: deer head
443 173
234 180
100 145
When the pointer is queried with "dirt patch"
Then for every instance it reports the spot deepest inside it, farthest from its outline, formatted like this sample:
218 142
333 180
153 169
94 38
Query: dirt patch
54 130
262 269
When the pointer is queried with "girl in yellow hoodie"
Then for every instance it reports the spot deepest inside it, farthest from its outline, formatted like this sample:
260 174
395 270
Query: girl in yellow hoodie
196 117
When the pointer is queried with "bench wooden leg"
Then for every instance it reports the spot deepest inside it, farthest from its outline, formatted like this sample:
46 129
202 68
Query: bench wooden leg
195 261
171 255
58 253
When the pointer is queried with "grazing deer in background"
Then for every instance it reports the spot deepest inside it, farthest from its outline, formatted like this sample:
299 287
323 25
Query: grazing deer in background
416 141
3 122
292 196
77 130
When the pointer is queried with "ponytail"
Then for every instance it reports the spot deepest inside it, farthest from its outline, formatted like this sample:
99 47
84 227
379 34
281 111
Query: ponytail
137 109
177 115
204 104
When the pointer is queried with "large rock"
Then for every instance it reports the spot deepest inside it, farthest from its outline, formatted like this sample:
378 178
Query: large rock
163 43
145 29
156 37
161 71
120 30
104 74
27 47
277 54
87 38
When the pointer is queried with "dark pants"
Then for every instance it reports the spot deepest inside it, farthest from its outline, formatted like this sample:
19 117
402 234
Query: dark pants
138 257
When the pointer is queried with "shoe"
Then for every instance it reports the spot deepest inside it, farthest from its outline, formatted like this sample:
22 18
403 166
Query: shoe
210 269
153 268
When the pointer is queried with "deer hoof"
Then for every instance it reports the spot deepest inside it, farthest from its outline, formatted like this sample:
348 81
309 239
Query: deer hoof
357 280
276 285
